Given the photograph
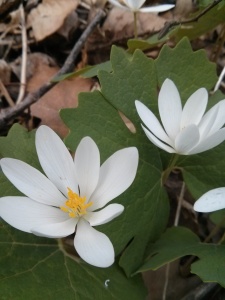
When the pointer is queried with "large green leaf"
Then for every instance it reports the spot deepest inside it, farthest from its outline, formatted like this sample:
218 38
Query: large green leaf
40 268
177 242
188 69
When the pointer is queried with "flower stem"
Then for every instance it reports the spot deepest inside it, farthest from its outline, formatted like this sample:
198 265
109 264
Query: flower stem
170 167
135 25
176 221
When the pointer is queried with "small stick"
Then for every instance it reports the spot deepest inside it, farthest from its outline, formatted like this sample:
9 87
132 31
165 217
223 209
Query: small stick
6 94
10 113
168 25
176 221
222 74
24 57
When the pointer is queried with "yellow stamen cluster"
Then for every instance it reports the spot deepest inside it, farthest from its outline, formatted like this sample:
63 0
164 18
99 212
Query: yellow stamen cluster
75 205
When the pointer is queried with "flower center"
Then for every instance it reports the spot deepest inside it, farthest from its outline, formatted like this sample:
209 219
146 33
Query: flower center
75 205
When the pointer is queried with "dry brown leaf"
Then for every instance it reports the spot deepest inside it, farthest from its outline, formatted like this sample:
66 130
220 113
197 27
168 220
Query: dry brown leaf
183 8
177 288
63 95
122 23
33 61
119 26
49 16
70 24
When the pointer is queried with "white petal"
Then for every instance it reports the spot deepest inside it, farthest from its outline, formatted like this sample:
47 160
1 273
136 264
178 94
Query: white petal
194 108
31 182
187 139
116 175
157 8
215 114
211 201
93 246
134 4
170 108
157 142
152 122
55 159
87 166
207 122
104 215
24 213
220 119
56 230
210 142
116 3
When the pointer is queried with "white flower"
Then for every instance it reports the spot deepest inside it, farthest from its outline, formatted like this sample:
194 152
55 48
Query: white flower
211 201
135 6
66 200
186 131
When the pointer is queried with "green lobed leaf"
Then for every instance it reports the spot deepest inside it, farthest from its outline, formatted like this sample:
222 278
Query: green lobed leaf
40 268
204 171
190 70
218 217
177 242
86 72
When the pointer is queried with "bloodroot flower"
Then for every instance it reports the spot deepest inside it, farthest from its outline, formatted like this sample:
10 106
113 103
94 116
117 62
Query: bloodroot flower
211 201
135 6
66 199
186 131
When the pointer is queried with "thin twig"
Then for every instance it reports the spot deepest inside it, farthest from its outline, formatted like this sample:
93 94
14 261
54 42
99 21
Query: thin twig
10 113
222 74
168 25
6 94
167 273
201 292
179 205
176 221
24 57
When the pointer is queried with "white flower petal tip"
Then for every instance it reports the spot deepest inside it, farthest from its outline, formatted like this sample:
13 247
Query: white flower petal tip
184 131
211 201
93 246
64 199
104 215
55 159
116 175
87 166
135 6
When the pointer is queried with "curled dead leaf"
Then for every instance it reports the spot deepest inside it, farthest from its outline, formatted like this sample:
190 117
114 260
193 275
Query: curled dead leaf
63 95
49 16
